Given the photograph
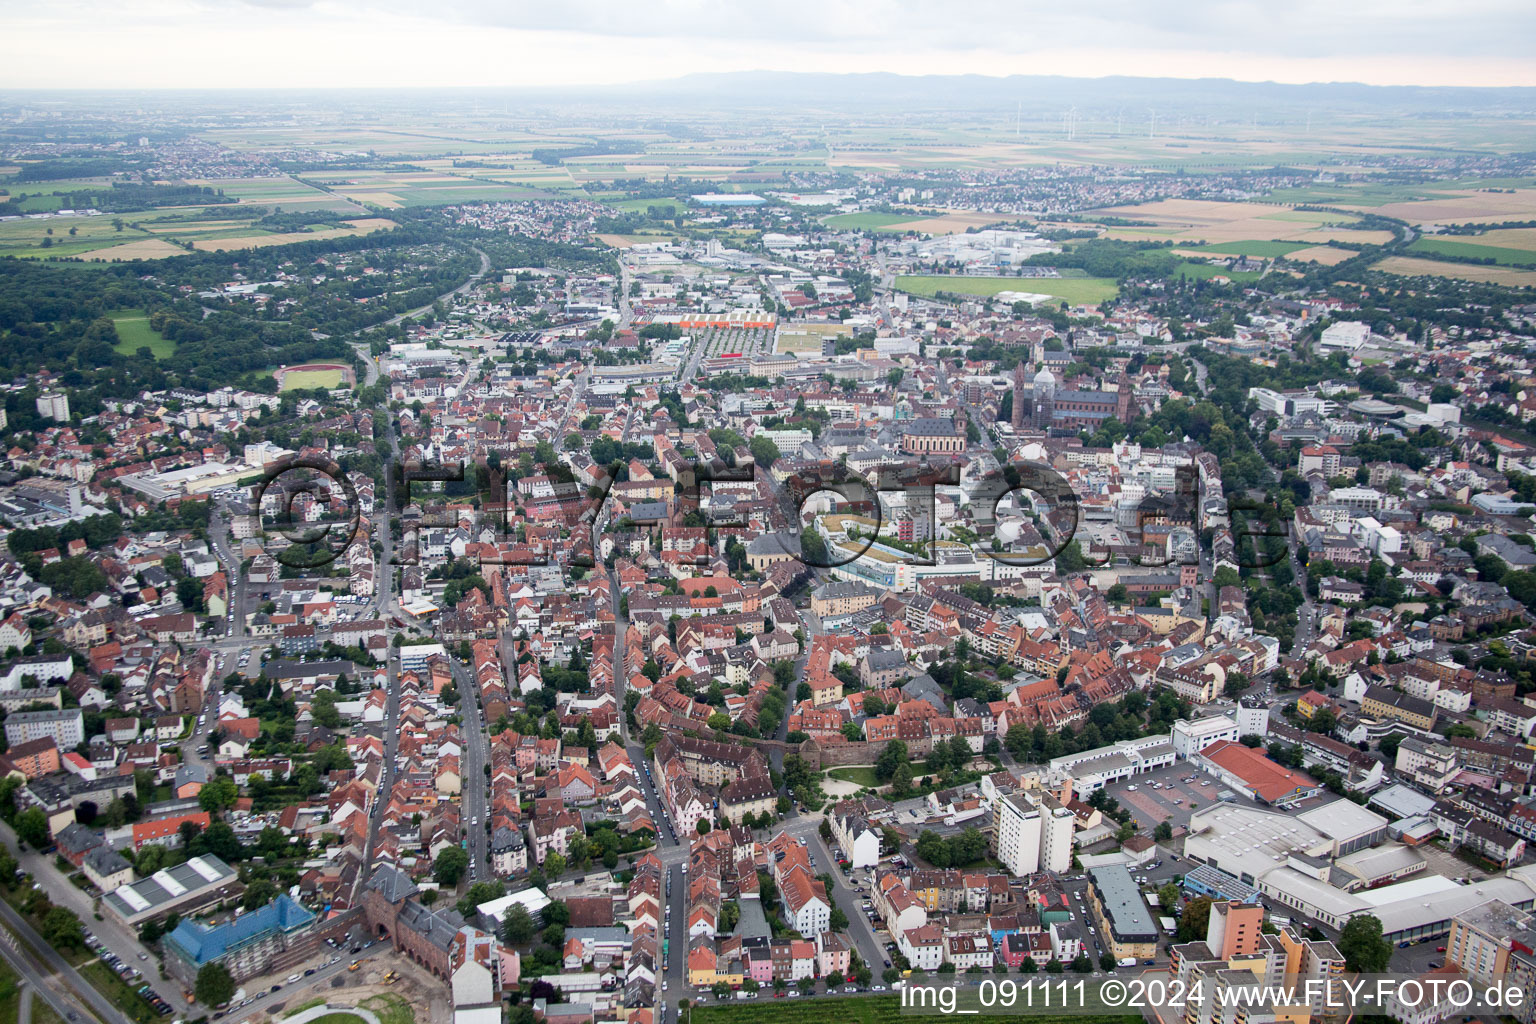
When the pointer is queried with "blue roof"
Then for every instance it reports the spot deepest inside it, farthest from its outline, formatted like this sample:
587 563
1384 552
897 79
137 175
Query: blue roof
200 944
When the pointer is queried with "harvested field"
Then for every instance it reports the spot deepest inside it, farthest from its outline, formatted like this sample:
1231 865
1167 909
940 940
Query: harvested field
1523 239
1199 220
1467 206
953 223
361 226
1327 255
146 249
1411 267
385 199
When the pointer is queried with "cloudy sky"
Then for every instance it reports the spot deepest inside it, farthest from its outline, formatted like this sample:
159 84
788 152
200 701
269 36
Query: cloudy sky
487 43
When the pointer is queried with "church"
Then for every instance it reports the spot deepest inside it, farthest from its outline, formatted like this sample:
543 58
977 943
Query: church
1041 405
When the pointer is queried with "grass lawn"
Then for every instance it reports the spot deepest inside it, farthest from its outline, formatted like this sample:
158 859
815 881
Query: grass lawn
134 332
862 775
1087 290
1446 247
338 1018
861 1010
312 379
42 1013
10 994
121 994
1205 271
872 221
1253 247
390 1008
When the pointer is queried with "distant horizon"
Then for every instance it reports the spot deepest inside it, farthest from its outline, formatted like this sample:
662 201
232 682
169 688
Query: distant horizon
746 72
518 44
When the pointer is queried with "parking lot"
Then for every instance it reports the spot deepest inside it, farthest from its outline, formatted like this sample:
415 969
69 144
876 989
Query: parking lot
1163 795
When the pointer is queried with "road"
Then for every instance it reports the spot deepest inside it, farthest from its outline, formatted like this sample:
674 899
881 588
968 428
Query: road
474 797
64 893
45 962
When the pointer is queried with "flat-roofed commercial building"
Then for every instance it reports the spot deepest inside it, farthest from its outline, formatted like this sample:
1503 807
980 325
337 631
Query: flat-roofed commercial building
186 889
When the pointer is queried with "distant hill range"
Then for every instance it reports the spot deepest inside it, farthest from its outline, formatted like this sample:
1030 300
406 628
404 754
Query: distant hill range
979 92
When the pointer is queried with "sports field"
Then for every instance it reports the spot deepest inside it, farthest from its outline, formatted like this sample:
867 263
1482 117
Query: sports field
134 333
1253 248
1076 290
311 379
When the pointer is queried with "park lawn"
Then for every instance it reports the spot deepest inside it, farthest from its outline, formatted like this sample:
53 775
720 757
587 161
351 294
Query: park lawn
121 994
862 775
1076 290
1446 247
871 221
134 332
861 1010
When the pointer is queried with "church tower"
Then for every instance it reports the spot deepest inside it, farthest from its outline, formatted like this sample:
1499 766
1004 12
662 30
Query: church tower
1018 398
1045 399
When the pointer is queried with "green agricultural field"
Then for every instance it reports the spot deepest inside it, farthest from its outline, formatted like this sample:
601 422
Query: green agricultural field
134 333
677 206
312 379
1080 290
872 221
862 1010
25 237
1501 256
1254 248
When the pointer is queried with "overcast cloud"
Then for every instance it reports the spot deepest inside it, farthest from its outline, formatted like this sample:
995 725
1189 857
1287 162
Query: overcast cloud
208 43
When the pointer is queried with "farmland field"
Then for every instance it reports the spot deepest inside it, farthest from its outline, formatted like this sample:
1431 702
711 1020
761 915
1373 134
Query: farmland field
1221 224
872 221
1454 247
1250 247
144 249
1507 276
134 332
1078 290
1327 255
361 226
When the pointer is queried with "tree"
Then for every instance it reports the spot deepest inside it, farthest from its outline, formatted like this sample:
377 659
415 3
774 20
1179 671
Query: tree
1195 919
215 986
764 451
1168 896
1106 962
451 865
1364 949
554 867
62 929
1163 832
258 894
1082 964
1029 966
518 929
218 793
32 827
837 920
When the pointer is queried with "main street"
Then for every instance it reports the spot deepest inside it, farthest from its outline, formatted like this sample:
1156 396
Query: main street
474 796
